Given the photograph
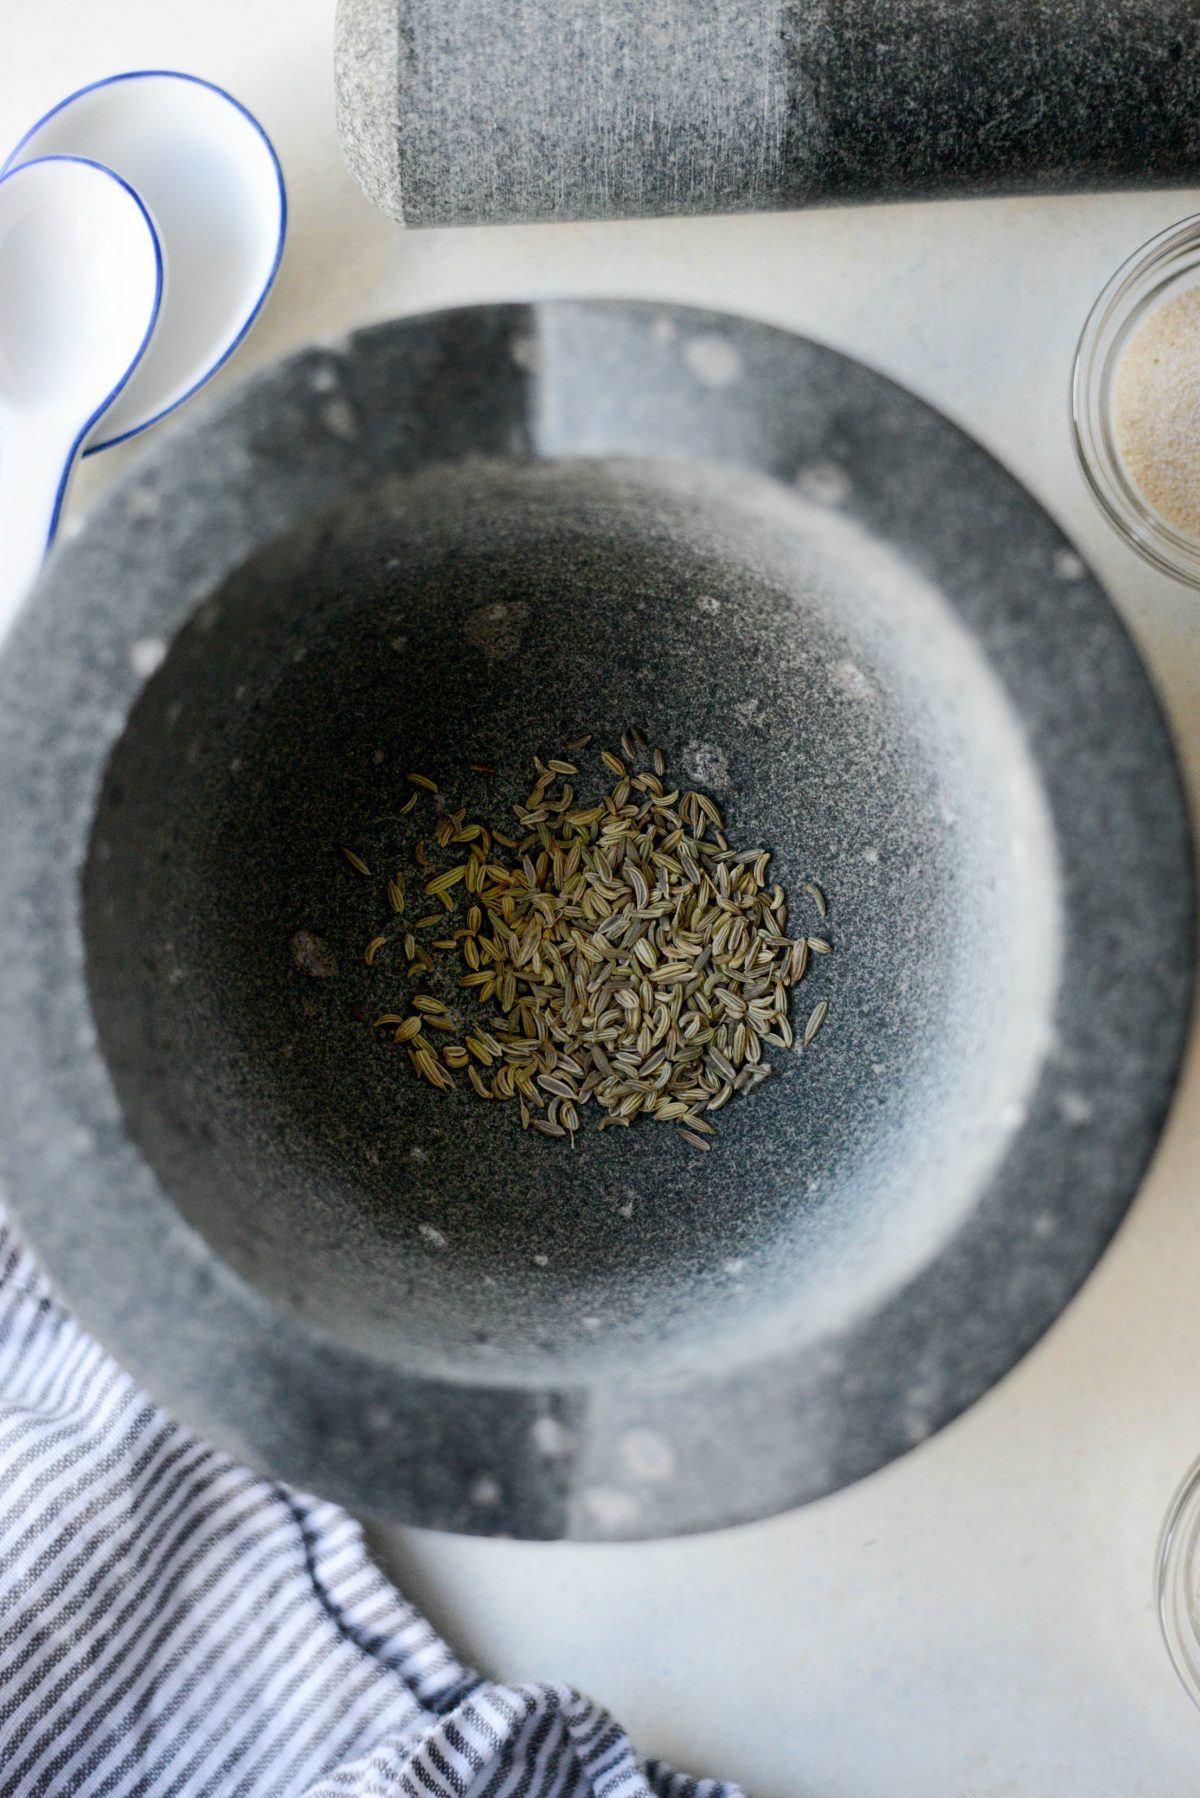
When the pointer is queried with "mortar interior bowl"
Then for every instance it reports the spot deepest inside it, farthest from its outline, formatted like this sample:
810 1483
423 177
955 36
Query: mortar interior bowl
469 538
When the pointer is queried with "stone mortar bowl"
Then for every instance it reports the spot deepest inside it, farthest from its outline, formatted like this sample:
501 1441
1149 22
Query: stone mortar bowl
471 537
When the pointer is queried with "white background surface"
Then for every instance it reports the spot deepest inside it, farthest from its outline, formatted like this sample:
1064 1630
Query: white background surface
977 1620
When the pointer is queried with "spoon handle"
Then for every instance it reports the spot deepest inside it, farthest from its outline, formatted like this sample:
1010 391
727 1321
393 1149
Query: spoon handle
35 466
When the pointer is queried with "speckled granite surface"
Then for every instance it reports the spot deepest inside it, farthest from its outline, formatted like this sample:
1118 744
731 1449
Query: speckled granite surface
479 113
472 535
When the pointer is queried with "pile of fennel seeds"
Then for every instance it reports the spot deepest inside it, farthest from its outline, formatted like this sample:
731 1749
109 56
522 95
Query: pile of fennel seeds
621 954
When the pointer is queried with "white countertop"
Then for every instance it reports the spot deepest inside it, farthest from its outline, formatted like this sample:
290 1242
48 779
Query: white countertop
977 1620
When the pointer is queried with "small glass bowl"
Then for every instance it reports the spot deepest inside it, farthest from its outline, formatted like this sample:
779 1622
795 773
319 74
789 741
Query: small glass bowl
1167 265
1178 1581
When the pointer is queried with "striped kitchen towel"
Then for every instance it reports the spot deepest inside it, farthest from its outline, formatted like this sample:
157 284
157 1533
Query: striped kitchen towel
172 1625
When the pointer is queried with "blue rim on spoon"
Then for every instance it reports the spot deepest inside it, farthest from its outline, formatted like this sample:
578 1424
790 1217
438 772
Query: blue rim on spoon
10 174
198 81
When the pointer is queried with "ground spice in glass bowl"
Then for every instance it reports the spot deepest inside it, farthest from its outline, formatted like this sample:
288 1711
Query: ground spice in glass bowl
1136 401
1156 410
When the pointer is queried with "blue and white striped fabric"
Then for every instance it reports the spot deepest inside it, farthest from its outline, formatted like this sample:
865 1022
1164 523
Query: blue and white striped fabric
172 1625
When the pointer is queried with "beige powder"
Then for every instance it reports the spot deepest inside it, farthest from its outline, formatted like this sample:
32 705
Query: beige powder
1156 410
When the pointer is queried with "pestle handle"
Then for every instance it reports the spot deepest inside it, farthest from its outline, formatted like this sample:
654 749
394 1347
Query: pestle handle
460 112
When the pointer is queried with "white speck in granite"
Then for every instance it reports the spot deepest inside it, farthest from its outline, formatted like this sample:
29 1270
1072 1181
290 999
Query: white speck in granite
916 1425
1068 566
713 360
141 502
526 353
146 655
550 1437
497 629
851 679
337 415
609 1507
826 482
647 1455
707 764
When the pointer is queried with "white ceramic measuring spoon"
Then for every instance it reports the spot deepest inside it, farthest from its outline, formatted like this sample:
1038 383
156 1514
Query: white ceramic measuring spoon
211 181
81 279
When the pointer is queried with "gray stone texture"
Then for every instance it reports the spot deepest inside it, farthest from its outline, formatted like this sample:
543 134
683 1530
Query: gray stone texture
480 112
469 537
